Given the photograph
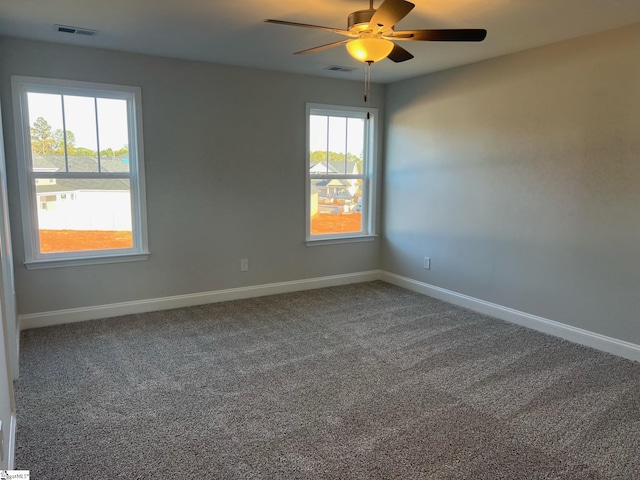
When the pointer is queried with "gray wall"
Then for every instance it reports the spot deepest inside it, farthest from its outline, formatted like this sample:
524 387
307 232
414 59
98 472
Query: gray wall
225 170
520 177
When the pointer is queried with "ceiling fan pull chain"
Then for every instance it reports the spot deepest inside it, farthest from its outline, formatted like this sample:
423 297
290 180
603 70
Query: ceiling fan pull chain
366 73
367 81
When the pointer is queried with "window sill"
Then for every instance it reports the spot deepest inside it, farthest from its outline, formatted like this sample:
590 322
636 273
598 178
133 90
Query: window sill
75 262
331 241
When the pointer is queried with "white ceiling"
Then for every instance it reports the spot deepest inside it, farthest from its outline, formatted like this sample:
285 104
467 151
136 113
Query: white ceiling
233 32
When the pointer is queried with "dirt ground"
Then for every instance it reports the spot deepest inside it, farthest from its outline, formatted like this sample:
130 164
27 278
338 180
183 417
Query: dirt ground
322 223
78 240
74 240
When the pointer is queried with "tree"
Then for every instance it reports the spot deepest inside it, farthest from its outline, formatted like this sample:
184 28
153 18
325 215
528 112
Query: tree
122 151
85 151
41 138
107 153
58 142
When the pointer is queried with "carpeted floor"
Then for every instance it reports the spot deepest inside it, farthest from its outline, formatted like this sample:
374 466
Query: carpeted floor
360 381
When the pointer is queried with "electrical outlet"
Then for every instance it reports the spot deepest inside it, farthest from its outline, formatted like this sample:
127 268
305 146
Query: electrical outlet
427 263
244 265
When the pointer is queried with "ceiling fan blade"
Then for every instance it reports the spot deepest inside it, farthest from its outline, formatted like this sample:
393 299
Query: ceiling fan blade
399 54
398 36
389 13
446 35
322 47
317 27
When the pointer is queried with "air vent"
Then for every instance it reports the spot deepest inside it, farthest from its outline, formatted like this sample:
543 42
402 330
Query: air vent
338 68
75 30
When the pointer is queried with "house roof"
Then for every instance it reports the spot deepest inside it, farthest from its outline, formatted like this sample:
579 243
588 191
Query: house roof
81 163
335 167
75 184
333 183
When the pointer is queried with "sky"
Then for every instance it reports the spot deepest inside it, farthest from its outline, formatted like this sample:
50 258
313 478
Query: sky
335 134
80 118
338 128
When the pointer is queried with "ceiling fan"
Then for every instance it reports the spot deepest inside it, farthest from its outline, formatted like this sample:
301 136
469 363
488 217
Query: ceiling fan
371 34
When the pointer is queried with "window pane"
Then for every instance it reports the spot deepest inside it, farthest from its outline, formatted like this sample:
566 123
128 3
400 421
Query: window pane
45 121
336 206
87 214
318 144
80 121
355 145
113 134
342 138
337 144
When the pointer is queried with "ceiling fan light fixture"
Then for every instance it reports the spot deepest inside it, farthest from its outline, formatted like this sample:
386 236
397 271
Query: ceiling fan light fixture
369 49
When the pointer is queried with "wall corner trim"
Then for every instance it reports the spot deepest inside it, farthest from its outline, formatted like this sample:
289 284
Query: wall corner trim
587 338
58 317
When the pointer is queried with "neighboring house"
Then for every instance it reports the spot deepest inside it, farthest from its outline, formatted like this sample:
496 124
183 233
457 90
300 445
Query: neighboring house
82 204
335 195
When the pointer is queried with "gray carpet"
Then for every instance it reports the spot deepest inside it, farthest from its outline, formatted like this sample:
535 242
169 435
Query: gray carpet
360 381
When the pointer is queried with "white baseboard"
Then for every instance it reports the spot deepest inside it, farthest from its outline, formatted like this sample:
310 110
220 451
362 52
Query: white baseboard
621 348
567 332
58 317
11 451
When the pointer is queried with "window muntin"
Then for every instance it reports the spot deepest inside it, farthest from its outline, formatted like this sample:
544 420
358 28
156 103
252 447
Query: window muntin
81 172
340 184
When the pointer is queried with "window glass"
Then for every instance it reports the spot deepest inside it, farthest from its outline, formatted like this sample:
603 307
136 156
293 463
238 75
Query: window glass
83 214
337 144
45 120
318 147
82 137
340 175
336 206
113 133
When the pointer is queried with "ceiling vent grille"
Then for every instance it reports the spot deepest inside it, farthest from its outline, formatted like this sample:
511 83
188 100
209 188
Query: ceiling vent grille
87 32
338 68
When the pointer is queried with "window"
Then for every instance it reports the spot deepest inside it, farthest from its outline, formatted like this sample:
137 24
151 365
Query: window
341 151
81 172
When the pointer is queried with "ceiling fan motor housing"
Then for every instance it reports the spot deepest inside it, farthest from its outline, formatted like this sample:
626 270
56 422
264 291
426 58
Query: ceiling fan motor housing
359 21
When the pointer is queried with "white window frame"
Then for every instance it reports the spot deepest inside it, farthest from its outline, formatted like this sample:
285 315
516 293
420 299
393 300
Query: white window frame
34 259
368 175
